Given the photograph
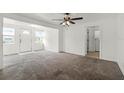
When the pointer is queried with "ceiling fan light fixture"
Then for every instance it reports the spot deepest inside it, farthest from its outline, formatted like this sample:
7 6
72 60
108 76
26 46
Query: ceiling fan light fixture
68 20
63 24
68 23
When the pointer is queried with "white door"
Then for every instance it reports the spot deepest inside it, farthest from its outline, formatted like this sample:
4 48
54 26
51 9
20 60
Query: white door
25 41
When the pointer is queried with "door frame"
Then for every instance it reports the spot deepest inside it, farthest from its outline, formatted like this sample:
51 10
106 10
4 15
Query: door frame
100 46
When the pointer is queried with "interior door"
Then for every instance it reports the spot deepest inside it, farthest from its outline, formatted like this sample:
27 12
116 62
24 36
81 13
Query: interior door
25 41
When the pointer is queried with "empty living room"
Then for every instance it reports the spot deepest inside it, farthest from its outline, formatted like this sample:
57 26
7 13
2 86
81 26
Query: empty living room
61 46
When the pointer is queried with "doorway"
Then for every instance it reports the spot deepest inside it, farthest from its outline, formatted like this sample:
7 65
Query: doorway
25 41
93 42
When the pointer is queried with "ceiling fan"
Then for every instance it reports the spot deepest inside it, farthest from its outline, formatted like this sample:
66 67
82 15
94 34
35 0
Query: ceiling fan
67 20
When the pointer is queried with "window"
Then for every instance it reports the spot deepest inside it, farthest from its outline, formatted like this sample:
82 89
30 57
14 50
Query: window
39 36
8 35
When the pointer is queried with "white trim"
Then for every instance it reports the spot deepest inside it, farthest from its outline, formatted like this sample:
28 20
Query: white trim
1 42
100 52
121 65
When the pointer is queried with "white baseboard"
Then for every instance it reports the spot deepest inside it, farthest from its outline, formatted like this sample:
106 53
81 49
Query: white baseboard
51 50
121 65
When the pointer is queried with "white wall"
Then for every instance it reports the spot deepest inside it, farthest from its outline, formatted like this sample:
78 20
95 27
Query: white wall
51 39
120 38
1 40
109 38
75 37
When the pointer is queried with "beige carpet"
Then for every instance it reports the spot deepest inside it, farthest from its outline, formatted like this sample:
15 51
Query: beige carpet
58 66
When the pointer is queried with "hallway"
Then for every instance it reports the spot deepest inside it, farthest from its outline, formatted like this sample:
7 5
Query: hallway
93 55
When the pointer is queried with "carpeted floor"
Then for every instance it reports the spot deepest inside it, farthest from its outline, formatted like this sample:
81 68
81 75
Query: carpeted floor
46 65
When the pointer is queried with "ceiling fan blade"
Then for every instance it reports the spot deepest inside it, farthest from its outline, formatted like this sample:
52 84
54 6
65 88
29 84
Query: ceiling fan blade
57 19
72 22
78 18
61 23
